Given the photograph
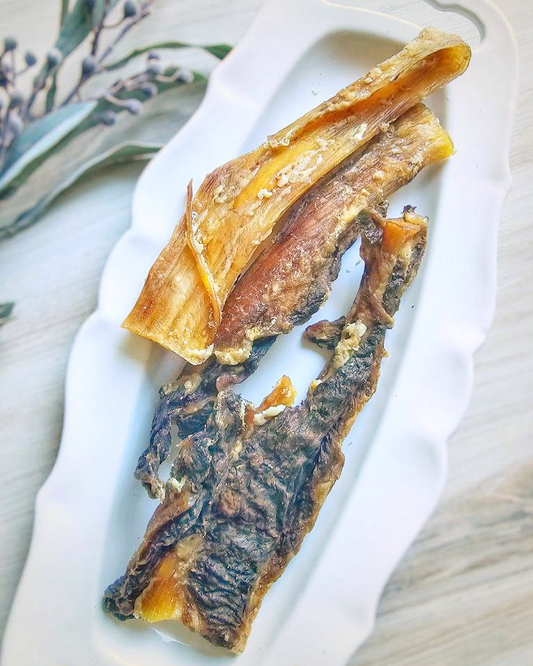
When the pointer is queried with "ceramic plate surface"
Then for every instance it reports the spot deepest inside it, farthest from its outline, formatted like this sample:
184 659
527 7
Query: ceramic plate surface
91 513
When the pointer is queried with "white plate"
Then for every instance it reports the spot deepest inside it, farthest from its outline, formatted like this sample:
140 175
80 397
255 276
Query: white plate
91 514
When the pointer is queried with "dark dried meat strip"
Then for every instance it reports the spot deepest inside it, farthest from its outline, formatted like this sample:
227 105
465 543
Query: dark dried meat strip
239 504
188 403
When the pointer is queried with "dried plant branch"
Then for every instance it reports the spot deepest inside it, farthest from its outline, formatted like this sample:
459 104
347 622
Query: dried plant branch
29 134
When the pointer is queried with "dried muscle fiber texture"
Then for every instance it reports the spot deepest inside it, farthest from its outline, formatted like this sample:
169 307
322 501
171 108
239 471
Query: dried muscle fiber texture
239 501
239 204
291 278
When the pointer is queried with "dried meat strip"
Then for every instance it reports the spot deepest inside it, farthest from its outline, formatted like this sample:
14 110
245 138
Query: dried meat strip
239 502
290 280
188 403
239 204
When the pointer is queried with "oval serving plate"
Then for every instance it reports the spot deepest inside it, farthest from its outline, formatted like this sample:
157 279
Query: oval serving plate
91 514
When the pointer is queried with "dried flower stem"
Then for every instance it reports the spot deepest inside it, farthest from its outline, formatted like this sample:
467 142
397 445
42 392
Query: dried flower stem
13 69
99 28
38 85
126 94
144 12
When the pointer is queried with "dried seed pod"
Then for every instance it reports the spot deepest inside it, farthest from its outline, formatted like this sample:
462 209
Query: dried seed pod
149 89
185 76
130 9
107 117
133 106
39 82
54 57
30 59
10 44
88 66
154 68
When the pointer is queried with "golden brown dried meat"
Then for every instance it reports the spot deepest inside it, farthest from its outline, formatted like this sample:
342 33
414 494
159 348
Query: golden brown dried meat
238 204
318 228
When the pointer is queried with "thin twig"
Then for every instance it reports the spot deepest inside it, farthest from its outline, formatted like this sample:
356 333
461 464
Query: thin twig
4 144
5 73
99 28
111 26
145 11
38 85
13 70
75 91
23 70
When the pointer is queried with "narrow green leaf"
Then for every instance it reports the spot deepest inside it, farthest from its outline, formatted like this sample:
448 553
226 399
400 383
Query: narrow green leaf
218 50
161 87
64 12
104 105
99 9
124 152
77 25
51 94
39 139
5 312
163 115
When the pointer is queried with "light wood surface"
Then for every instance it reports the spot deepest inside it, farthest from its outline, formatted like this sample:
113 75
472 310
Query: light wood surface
463 595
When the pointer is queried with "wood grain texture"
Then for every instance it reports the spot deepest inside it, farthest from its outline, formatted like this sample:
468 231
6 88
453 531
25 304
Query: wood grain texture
463 594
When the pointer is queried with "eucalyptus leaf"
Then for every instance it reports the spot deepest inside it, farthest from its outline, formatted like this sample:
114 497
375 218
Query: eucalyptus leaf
124 152
105 105
39 139
77 25
220 51
5 312
163 115
64 12
99 9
